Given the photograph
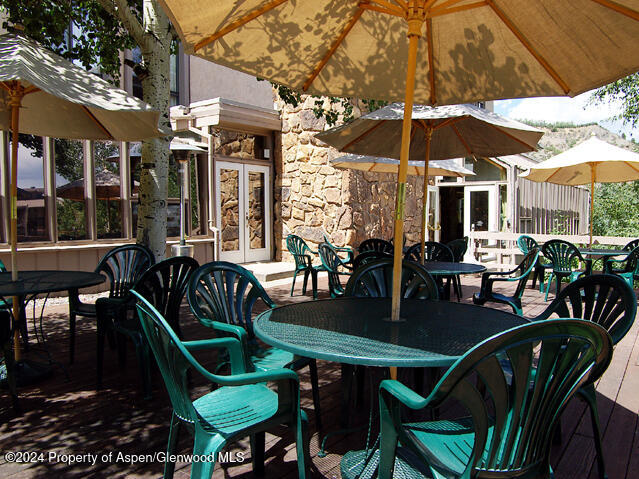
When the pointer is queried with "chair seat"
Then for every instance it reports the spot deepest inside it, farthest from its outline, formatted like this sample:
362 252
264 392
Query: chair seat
85 309
358 465
271 358
228 410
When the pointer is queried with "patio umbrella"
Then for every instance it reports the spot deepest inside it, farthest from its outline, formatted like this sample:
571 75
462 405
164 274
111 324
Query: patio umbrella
43 94
107 187
439 133
472 51
390 165
592 161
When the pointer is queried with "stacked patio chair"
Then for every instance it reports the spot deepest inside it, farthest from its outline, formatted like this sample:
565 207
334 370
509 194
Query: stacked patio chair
433 251
376 244
221 296
563 256
528 375
164 285
525 244
335 267
520 274
303 262
627 268
350 254
608 301
122 266
369 256
243 406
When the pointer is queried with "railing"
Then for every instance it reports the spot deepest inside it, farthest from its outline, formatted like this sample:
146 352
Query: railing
499 249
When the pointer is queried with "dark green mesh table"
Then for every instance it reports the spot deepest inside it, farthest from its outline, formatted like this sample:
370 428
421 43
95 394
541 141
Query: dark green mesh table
355 331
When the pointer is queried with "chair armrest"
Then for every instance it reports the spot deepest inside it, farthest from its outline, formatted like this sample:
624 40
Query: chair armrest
258 377
232 345
238 331
403 394
305 259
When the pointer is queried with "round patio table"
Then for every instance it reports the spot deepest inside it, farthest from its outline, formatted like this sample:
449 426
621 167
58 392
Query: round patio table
446 268
356 331
603 252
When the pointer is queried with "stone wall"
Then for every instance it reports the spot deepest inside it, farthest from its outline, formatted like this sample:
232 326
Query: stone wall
312 198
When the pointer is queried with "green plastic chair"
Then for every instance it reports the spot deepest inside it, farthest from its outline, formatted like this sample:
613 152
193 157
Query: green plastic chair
525 244
350 254
122 266
433 251
376 244
335 267
243 406
519 274
221 296
458 247
375 280
608 301
562 255
303 262
368 257
627 268
4 304
527 375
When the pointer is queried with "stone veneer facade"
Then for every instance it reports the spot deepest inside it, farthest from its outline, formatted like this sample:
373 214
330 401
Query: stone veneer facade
311 197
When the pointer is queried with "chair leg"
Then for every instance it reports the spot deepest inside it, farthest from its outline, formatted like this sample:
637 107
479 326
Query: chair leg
548 285
302 445
306 273
458 288
174 432
589 395
204 445
347 385
312 366
71 337
293 285
100 353
9 362
314 283
257 452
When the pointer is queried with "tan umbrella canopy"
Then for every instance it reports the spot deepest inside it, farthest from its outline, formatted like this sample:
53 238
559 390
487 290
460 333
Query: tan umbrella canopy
438 133
592 161
107 187
43 94
471 51
390 165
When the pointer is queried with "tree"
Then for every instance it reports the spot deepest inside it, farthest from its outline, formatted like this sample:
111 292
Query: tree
101 30
625 91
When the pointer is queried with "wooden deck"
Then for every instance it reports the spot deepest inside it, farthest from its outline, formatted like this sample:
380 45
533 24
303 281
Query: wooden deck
65 415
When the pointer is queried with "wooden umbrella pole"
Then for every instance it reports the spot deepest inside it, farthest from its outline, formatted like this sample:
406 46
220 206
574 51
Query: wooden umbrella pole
15 101
592 195
429 135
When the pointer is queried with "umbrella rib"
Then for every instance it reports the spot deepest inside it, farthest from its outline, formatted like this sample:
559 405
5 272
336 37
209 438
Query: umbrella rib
338 41
618 8
442 10
370 130
450 121
97 122
512 137
397 9
454 128
631 166
431 64
554 173
238 23
520 36
394 11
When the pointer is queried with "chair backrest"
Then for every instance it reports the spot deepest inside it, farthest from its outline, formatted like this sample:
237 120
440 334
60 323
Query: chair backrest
300 251
458 247
632 262
528 374
124 266
526 243
3 268
375 280
433 251
368 257
376 244
631 245
524 269
172 357
605 299
332 262
560 253
164 285
225 292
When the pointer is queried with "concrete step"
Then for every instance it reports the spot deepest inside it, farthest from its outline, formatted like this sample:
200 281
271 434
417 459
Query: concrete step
266 271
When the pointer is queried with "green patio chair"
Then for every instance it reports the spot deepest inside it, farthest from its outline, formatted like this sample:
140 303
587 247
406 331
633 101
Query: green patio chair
243 406
527 375
608 301
563 255
6 303
525 244
627 268
303 262
458 247
519 274
350 254
122 266
164 285
368 257
376 244
335 267
221 296
433 251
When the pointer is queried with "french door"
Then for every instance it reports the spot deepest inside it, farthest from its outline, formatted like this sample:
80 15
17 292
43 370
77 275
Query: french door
480 208
243 211
433 224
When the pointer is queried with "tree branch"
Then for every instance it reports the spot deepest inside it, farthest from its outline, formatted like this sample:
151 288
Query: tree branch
120 10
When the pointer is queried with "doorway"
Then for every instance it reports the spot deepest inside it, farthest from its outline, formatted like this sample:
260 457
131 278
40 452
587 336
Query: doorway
480 208
451 201
243 211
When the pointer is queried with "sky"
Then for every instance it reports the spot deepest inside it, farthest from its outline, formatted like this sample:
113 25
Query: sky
576 110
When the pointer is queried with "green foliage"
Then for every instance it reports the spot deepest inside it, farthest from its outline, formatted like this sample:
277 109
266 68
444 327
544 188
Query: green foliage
554 125
616 209
98 37
624 91
71 220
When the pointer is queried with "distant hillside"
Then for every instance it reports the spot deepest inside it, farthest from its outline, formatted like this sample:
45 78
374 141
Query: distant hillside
561 137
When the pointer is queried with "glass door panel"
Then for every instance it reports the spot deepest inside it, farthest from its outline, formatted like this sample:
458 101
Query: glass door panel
230 211
257 213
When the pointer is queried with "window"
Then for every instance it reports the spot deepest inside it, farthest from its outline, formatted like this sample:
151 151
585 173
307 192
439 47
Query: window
70 197
108 209
32 225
